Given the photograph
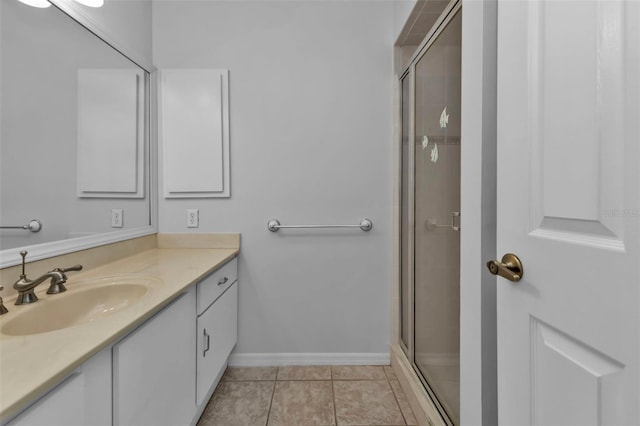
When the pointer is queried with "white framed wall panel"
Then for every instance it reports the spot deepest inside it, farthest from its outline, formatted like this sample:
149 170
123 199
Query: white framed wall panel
111 119
194 132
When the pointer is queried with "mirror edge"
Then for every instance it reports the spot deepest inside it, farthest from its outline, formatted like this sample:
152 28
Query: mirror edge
11 257
75 11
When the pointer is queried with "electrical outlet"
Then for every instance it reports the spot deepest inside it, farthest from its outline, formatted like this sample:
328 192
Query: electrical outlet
193 218
116 218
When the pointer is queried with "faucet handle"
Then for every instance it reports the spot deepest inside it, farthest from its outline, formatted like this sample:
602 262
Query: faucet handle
71 268
23 253
23 276
57 285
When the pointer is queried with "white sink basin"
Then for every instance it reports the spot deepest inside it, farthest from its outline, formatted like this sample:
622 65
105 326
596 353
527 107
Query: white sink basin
90 301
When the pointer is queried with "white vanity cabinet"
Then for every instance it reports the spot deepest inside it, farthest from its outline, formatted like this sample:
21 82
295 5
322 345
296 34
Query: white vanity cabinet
154 369
161 373
82 399
217 326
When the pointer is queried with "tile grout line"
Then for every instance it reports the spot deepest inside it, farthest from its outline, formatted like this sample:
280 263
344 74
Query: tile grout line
333 394
393 392
273 392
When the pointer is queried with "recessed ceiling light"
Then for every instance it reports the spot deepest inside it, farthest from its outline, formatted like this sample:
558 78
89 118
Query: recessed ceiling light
36 3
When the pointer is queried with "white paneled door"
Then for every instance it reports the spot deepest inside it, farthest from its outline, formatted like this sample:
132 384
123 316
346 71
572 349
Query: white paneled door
569 208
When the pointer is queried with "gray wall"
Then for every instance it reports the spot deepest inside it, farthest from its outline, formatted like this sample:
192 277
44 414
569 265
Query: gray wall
311 96
401 11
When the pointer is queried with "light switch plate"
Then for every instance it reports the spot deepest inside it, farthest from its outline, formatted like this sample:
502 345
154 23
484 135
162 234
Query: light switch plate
193 218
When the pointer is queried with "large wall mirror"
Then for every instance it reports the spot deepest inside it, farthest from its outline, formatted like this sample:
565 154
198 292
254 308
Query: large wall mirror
74 136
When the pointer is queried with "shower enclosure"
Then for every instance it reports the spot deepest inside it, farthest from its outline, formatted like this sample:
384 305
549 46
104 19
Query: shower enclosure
430 213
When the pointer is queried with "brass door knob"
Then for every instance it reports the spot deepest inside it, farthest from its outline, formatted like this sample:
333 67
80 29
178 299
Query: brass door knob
509 267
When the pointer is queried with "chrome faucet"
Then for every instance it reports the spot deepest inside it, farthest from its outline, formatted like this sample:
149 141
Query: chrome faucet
26 287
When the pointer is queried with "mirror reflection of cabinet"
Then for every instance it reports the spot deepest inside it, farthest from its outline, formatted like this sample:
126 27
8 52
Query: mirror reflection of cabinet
111 131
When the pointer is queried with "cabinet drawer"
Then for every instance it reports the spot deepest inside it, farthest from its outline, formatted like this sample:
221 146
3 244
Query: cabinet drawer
217 335
211 287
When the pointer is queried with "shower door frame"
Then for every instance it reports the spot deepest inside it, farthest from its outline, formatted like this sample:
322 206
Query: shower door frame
409 73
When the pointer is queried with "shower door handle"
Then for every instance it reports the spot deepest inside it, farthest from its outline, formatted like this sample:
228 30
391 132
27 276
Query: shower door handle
509 267
432 224
453 221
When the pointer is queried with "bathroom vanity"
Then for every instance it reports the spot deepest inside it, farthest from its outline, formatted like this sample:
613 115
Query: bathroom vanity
155 361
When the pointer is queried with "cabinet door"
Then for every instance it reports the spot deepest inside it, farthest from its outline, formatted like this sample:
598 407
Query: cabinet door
217 335
57 407
154 369
82 399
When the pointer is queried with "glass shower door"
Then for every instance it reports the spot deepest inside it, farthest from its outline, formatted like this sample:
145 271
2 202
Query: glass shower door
436 216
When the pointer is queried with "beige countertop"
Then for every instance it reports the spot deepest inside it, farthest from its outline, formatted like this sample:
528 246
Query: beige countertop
30 365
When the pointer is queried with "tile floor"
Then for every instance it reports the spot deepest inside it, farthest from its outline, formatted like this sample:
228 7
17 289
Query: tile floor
310 395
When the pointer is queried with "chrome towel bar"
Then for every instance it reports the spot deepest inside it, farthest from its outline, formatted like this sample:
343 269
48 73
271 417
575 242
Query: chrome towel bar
274 225
34 225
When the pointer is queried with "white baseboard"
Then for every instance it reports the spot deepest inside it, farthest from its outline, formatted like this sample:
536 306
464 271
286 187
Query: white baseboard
283 359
